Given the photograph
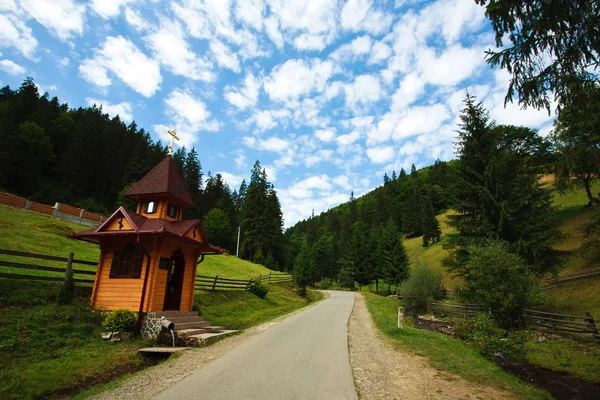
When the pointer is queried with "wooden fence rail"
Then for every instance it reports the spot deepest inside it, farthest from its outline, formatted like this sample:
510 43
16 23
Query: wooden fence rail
275 278
218 283
456 310
70 260
558 323
553 282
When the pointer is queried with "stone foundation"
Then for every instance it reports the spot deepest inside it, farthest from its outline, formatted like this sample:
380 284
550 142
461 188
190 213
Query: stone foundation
151 326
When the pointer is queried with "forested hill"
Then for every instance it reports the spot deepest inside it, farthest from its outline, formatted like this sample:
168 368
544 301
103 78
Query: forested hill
356 232
80 156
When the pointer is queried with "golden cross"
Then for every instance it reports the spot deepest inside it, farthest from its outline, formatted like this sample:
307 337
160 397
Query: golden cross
173 134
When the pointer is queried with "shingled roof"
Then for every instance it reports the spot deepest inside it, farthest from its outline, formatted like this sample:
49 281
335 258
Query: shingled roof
165 178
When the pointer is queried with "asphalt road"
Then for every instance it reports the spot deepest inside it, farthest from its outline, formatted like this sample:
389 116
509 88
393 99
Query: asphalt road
303 357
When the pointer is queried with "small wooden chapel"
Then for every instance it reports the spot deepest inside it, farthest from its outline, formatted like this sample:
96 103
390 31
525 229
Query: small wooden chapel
148 258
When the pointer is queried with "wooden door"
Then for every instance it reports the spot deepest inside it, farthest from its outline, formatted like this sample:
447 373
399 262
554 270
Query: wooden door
174 283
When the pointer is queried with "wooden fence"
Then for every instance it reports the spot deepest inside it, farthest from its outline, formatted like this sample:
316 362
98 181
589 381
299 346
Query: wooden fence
456 310
560 280
65 270
539 320
218 283
559 323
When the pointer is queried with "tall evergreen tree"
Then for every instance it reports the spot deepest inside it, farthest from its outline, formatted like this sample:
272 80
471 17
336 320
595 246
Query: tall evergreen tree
413 172
431 226
497 194
394 176
386 178
402 173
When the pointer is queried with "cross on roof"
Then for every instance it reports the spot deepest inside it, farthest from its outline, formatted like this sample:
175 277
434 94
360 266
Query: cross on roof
173 134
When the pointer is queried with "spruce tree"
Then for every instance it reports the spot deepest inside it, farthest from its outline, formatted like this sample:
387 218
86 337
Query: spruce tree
497 193
413 172
431 226
386 178
402 173
394 176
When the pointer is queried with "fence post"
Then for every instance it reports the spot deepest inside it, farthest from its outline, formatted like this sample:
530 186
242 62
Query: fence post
401 317
593 324
466 310
69 265
249 283
215 282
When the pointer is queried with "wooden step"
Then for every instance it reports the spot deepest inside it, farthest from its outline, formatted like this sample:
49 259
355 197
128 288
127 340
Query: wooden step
189 325
168 314
214 329
192 331
178 320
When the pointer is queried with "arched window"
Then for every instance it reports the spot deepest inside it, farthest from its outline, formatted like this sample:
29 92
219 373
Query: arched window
150 207
127 263
171 211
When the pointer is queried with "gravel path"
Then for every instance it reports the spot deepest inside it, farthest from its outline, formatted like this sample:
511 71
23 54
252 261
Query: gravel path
380 372
151 382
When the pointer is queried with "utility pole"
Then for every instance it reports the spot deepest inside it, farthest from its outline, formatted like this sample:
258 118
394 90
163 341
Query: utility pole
237 253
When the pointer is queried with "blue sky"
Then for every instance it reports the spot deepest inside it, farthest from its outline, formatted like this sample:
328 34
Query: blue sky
327 94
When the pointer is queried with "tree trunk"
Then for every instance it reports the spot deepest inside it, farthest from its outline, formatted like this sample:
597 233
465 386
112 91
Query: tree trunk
592 200
377 285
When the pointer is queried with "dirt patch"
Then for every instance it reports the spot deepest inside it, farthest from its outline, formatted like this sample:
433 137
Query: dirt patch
380 372
434 326
559 384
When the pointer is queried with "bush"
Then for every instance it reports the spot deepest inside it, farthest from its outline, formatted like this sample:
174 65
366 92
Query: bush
500 282
325 284
258 289
422 287
490 340
121 320
346 279
67 289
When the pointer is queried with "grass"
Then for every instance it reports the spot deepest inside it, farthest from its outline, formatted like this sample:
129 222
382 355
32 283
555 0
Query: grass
576 358
46 348
444 352
240 309
231 267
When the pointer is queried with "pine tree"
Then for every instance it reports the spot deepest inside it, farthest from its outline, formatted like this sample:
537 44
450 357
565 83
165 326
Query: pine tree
412 219
394 176
431 226
304 267
386 178
402 173
497 193
362 253
413 172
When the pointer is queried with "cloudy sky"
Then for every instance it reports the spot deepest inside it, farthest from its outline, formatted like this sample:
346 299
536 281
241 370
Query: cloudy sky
327 94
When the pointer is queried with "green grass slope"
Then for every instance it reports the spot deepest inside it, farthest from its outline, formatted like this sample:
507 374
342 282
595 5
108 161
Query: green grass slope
577 297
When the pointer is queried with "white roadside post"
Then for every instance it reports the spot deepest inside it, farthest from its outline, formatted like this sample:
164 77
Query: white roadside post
401 317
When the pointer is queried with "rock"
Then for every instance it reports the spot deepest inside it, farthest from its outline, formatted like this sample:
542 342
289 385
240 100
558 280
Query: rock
106 335
116 337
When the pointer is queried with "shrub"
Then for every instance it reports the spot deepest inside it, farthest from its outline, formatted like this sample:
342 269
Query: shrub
345 278
490 340
422 287
500 282
121 320
258 289
325 284
67 289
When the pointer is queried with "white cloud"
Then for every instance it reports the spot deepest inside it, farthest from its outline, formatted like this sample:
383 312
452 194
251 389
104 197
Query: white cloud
123 110
172 50
381 155
64 18
358 47
11 67
272 29
268 119
379 53
312 17
454 65
345 140
365 89
358 15
14 33
306 41
296 78
193 111
125 60
231 179
109 8
246 96
250 12
421 119
343 181
135 19
273 143
325 135
224 56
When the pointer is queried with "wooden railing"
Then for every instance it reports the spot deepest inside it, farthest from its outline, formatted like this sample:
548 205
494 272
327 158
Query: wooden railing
68 268
558 323
559 280
204 282
456 310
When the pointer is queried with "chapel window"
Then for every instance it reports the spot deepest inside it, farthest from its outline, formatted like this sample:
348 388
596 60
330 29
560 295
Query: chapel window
127 262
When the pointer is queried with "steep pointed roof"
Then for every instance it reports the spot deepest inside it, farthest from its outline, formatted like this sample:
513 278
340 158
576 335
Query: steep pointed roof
165 178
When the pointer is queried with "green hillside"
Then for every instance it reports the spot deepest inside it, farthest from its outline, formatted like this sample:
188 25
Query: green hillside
37 233
577 297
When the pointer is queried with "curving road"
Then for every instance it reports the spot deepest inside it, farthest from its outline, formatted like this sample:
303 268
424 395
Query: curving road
303 357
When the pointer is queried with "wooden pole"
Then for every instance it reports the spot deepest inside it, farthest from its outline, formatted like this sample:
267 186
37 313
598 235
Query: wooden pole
69 265
401 317
215 282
